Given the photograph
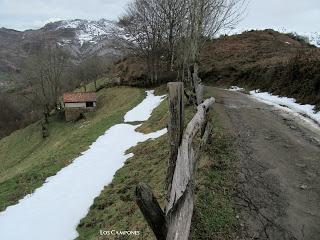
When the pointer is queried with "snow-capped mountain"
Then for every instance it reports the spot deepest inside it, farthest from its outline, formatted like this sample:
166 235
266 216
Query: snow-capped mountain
84 37
79 38
87 31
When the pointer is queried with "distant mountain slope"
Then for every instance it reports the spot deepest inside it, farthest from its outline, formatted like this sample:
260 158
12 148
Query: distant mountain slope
79 38
312 37
87 31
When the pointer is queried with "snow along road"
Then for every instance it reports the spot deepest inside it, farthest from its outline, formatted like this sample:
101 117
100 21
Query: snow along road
278 165
54 210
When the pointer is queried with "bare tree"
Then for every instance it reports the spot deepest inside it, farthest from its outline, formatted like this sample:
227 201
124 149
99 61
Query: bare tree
204 20
209 17
95 67
172 14
142 33
90 70
44 72
175 31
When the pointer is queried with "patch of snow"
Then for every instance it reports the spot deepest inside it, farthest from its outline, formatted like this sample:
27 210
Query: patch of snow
84 37
54 210
140 113
288 43
71 23
236 89
284 102
64 42
86 30
311 37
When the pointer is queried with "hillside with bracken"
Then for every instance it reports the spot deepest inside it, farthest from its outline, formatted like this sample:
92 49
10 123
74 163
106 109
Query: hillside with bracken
284 64
268 60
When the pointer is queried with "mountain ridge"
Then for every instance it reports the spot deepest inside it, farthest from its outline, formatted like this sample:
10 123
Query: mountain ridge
80 38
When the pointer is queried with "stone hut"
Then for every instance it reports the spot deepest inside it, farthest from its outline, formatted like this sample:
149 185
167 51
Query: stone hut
77 103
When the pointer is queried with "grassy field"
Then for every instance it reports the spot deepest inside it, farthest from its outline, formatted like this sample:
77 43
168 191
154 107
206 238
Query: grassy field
90 87
115 208
26 159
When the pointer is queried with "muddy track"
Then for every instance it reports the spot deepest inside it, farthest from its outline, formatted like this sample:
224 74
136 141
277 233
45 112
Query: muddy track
278 169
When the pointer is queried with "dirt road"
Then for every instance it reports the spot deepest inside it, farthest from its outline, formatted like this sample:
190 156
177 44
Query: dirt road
278 169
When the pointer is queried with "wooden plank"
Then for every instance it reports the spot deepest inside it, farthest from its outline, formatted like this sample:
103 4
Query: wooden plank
185 159
180 206
179 220
151 210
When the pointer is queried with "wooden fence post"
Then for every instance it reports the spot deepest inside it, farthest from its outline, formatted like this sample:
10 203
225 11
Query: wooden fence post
198 87
151 210
174 222
175 127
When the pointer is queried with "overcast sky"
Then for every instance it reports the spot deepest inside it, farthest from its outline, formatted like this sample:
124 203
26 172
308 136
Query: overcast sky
295 15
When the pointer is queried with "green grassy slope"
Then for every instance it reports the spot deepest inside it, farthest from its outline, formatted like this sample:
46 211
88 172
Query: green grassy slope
26 160
115 208
90 87
214 213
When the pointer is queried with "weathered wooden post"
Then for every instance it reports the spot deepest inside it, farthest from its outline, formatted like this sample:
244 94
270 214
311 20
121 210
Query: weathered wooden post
175 127
200 91
198 87
175 222
151 210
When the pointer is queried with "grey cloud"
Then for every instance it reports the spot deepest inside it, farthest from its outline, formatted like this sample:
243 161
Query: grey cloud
21 14
296 15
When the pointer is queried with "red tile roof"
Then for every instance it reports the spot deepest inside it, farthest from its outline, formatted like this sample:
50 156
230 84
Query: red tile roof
76 97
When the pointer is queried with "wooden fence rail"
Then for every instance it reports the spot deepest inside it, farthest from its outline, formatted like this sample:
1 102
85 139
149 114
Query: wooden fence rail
175 221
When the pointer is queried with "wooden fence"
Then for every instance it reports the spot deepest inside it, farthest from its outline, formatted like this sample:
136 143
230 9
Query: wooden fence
174 222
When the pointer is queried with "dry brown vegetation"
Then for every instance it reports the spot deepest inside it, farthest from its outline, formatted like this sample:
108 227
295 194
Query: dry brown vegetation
267 60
